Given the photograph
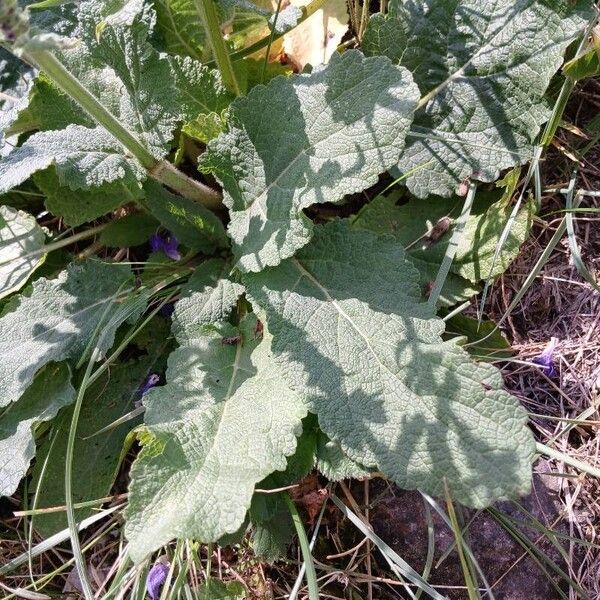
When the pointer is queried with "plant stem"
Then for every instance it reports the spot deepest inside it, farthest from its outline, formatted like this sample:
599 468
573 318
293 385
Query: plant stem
208 15
161 170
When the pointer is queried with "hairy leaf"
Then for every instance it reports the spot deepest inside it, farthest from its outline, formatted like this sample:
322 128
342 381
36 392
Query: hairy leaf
208 297
222 423
325 135
482 69
49 392
21 242
131 230
83 158
352 337
120 39
59 319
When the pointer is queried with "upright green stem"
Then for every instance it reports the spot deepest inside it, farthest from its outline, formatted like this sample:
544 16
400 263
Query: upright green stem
161 170
208 15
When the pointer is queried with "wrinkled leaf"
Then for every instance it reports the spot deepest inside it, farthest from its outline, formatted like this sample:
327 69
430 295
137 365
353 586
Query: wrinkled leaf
96 458
208 297
59 319
49 392
21 244
83 158
482 69
325 135
222 423
352 337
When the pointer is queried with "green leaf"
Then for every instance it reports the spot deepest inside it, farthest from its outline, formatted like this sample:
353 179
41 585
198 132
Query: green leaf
408 223
426 229
222 423
149 102
213 589
96 458
353 338
203 98
208 297
486 341
59 319
272 527
584 66
131 230
194 226
482 69
82 206
21 242
325 135
49 392
334 463
179 26
83 158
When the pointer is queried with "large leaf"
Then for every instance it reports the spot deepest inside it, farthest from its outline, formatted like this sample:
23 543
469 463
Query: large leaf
120 39
49 392
83 158
21 244
224 421
325 135
482 68
59 319
352 337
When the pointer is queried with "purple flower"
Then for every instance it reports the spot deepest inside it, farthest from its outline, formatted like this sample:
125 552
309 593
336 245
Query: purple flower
545 359
149 382
156 579
166 242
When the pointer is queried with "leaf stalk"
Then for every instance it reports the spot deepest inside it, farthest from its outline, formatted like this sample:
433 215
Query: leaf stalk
159 169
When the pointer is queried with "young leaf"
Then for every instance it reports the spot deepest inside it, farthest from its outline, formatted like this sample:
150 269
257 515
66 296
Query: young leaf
325 135
21 242
352 337
224 421
49 392
83 158
58 320
193 225
482 69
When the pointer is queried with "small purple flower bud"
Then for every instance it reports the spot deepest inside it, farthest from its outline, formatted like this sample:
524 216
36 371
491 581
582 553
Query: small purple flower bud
149 382
156 579
545 359
167 243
